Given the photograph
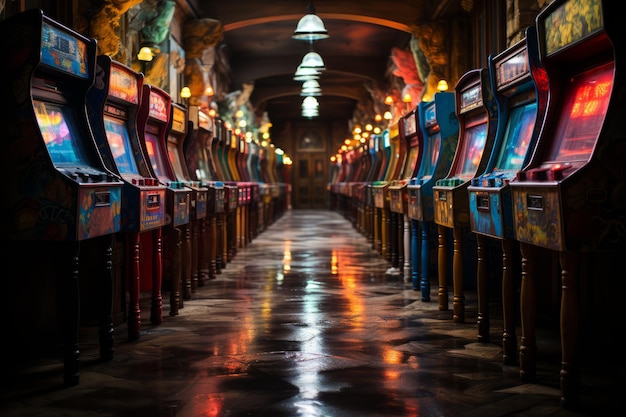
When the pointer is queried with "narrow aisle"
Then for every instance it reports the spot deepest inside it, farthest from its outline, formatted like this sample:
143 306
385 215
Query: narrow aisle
303 322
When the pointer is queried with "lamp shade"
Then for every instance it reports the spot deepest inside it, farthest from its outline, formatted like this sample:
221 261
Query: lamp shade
304 74
313 60
310 28
310 84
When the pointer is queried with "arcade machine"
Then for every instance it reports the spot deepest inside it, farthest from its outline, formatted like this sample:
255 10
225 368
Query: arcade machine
477 112
395 151
399 198
440 130
177 133
520 86
202 168
218 145
376 162
569 198
270 186
382 149
112 107
252 167
60 201
236 204
358 188
153 119
240 166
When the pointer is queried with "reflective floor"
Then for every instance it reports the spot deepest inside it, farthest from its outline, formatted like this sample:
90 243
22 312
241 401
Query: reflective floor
305 322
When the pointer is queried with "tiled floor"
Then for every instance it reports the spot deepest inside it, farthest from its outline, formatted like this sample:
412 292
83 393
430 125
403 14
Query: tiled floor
305 322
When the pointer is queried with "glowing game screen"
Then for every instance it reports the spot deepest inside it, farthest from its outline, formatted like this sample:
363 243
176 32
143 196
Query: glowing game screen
155 155
411 161
172 151
431 156
584 107
58 128
63 51
519 129
472 150
119 143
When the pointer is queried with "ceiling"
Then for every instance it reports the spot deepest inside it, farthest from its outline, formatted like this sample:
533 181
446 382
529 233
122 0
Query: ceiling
259 50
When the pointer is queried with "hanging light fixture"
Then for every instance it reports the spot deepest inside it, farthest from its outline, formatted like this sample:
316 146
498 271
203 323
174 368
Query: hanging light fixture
313 60
310 27
310 103
311 88
304 74
310 107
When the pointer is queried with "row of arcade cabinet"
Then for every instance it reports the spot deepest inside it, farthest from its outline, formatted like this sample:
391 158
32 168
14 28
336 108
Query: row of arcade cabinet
113 189
527 153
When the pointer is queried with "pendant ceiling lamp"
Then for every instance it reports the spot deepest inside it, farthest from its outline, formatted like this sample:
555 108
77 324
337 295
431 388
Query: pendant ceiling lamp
310 103
305 74
311 88
313 60
310 27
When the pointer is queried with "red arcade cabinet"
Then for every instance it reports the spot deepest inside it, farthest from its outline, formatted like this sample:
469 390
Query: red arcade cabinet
569 199
60 201
521 89
113 103
477 112
153 120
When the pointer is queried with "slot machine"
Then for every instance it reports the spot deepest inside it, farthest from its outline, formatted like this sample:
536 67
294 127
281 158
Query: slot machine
520 87
112 105
440 133
62 201
477 112
153 119
398 191
190 272
202 168
569 198
380 188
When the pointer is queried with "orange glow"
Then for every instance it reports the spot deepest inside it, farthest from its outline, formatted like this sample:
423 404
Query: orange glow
392 356
590 99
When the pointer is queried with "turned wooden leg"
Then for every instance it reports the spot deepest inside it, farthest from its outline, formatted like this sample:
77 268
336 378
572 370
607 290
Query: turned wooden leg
482 285
442 262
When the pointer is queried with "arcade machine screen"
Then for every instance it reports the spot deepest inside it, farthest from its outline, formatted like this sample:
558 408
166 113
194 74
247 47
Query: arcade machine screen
156 157
431 156
433 143
172 149
57 124
585 108
119 142
518 134
409 166
473 147
63 51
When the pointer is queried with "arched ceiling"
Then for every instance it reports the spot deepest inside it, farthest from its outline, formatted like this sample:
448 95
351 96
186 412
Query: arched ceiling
259 49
